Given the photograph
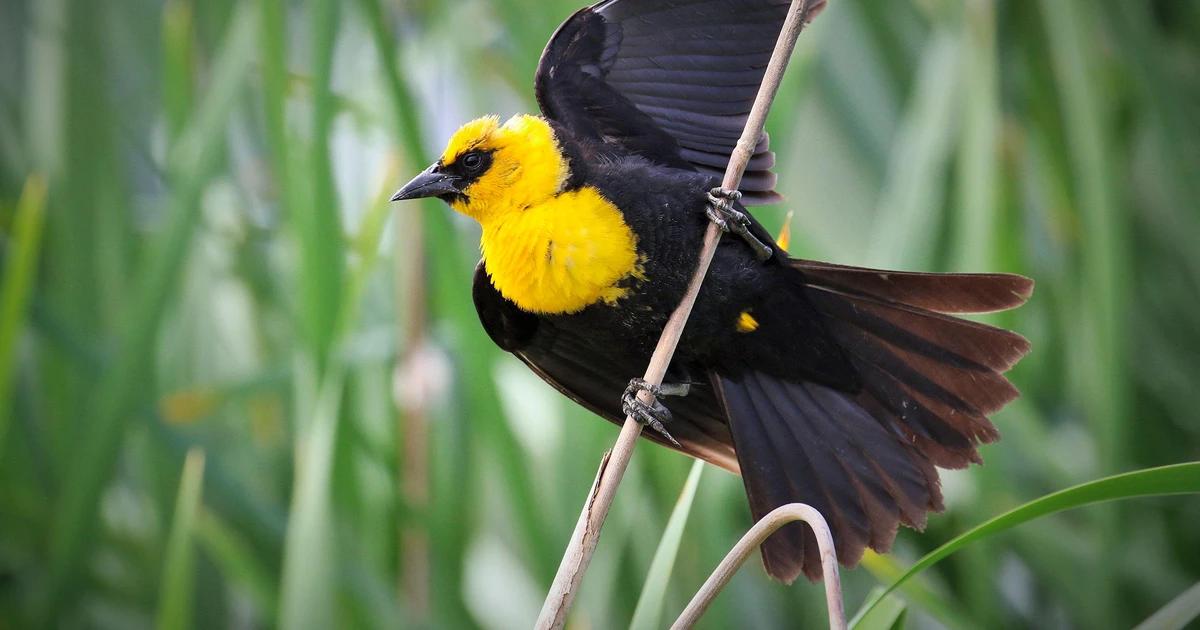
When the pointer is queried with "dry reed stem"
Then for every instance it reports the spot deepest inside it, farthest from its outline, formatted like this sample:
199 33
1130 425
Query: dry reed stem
768 525
612 466
411 396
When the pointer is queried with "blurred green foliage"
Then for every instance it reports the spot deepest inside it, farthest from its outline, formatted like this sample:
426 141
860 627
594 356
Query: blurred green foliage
210 266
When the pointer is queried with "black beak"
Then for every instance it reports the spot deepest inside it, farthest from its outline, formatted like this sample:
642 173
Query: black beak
430 183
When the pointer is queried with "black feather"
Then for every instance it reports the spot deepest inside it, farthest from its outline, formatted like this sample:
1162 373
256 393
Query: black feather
669 81
850 385
595 374
802 442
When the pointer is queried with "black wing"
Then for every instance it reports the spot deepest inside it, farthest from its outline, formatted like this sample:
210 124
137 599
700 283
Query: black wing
596 378
670 80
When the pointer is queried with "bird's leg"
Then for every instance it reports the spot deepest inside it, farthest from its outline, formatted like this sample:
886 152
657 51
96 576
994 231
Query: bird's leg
720 211
655 415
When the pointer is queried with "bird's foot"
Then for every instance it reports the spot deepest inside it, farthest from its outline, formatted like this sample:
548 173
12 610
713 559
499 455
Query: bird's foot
720 211
654 415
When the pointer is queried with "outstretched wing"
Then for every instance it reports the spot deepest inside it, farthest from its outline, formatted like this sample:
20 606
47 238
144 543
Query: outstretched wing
595 376
670 80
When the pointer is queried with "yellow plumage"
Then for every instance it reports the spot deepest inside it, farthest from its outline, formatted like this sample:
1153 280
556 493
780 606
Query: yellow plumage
561 255
547 250
746 322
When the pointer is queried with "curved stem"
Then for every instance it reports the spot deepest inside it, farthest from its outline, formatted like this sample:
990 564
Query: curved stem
769 524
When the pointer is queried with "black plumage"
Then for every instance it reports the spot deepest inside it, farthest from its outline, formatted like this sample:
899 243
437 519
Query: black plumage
853 383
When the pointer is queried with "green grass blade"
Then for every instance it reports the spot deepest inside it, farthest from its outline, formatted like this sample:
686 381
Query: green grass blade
406 116
322 247
20 269
46 95
310 584
1175 479
273 61
236 560
648 613
365 245
449 282
1103 230
887 614
122 384
1102 307
1165 103
178 58
939 606
175 596
910 202
1177 614
978 157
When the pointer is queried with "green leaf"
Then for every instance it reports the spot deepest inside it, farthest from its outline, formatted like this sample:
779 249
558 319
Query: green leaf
310 580
20 269
178 63
939 606
1175 479
1103 299
175 598
318 227
887 614
910 203
190 164
976 216
236 559
648 613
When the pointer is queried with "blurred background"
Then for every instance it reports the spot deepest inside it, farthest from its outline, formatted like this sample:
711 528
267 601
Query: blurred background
240 390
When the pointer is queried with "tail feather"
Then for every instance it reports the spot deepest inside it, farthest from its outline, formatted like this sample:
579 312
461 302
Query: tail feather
865 455
926 425
937 377
956 342
838 492
807 442
938 292
913 487
769 483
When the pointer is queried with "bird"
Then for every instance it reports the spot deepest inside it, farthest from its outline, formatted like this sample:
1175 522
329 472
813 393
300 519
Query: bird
842 387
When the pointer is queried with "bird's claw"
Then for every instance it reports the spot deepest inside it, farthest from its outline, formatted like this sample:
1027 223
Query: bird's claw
720 211
655 414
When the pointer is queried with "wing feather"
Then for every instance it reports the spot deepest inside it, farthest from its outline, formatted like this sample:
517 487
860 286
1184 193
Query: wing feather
594 375
670 80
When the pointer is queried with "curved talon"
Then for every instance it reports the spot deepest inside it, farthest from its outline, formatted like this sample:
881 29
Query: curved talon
720 211
654 415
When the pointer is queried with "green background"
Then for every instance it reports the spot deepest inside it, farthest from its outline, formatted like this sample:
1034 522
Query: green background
198 257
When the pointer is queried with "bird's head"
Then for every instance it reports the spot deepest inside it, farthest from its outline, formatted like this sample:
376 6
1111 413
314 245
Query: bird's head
489 169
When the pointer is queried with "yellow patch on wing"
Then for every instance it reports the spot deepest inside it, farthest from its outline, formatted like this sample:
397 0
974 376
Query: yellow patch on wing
785 233
746 322
562 255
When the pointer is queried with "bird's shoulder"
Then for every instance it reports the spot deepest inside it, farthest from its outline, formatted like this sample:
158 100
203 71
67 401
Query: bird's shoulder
635 184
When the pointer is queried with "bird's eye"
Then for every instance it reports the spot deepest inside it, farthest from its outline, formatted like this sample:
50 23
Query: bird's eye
472 161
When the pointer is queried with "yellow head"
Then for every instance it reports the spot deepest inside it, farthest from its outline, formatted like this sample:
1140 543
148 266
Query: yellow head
489 169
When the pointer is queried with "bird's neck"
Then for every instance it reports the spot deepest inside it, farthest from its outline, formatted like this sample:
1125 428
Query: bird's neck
560 256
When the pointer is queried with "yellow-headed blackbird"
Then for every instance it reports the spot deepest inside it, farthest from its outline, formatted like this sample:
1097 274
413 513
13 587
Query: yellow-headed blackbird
836 386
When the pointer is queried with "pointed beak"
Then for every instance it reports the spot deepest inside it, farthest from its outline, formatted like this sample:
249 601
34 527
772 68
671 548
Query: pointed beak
430 183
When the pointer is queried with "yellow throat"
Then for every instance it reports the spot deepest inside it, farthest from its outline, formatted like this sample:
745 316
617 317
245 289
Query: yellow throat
549 251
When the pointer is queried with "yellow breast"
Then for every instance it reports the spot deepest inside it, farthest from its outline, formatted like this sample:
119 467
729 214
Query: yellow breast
562 255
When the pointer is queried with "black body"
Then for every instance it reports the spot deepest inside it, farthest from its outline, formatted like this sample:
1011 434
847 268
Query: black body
856 382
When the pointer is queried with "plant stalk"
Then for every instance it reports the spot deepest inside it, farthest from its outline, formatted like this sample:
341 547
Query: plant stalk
769 524
612 466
